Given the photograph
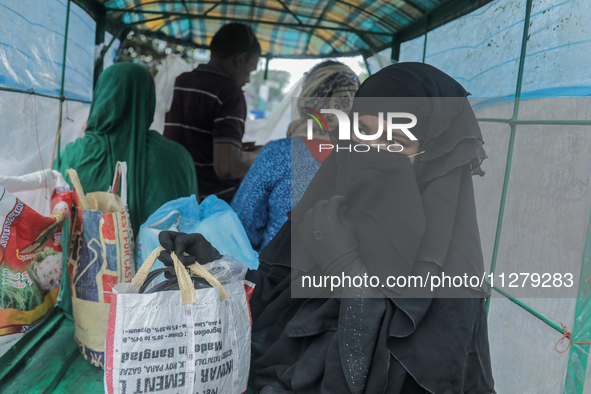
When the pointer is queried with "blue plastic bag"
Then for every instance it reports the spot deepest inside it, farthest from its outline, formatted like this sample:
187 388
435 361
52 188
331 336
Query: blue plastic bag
213 218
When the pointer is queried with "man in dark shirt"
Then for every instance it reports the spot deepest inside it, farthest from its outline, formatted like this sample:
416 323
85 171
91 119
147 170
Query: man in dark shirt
208 111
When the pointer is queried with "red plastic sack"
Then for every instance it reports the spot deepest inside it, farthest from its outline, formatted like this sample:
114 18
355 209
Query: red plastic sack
30 253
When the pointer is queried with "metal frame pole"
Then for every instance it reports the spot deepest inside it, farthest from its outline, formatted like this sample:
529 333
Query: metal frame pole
62 97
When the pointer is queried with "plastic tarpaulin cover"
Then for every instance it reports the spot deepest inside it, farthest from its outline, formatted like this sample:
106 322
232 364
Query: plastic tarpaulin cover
79 55
32 48
559 40
546 210
26 120
32 44
487 190
74 118
412 51
481 50
522 351
340 28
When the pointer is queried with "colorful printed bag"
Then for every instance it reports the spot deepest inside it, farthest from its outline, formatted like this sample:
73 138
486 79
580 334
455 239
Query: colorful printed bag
100 255
30 249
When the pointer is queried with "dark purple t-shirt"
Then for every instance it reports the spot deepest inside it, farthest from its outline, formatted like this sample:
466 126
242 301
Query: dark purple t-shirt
207 108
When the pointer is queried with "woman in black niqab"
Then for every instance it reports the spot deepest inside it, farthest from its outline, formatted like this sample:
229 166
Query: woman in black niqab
408 219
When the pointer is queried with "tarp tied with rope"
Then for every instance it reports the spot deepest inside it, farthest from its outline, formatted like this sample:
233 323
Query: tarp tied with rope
288 28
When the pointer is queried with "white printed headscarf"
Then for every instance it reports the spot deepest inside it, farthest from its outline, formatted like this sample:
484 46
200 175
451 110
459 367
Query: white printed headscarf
332 86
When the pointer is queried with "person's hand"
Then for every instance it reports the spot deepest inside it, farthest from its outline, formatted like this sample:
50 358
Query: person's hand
251 147
195 245
248 146
329 237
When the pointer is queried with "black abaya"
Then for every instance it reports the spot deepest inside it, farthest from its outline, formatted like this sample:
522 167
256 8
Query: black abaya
394 344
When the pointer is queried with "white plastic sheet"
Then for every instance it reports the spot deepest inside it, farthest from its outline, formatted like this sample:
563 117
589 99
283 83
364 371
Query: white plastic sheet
380 60
74 118
522 351
544 227
171 67
23 125
487 190
110 57
547 207
275 126
35 188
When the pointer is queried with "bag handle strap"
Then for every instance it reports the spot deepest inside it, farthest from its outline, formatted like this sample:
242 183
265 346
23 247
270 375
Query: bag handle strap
142 273
201 271
185 282
73 175
120 174
168 216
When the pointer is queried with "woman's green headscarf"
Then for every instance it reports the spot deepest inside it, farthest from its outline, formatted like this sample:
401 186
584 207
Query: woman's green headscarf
122 110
